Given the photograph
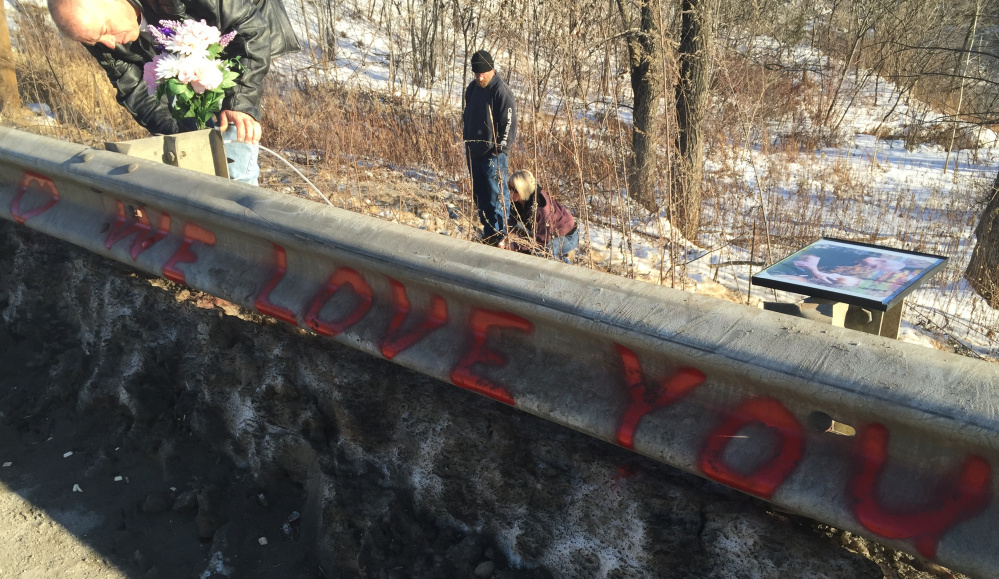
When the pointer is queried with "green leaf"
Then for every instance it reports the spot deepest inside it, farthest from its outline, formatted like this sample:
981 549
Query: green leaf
202 118
173 86
181 90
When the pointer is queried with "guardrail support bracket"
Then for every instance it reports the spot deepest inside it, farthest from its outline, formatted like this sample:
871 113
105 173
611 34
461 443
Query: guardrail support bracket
201 151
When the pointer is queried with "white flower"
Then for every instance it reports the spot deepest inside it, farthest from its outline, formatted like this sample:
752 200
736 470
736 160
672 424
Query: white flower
203 74
209 78
166 65
193 38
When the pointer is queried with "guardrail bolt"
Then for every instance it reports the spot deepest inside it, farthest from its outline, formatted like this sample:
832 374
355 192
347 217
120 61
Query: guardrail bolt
170 157
133 167
88 156
820 421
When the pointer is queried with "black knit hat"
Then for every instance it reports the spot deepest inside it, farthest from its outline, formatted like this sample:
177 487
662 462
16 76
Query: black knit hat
482 62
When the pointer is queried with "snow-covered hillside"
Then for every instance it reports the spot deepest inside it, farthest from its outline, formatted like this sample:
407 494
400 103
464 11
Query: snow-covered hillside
868 187
886 193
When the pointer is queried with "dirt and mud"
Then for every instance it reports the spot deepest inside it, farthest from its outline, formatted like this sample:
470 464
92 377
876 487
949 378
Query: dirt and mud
249 448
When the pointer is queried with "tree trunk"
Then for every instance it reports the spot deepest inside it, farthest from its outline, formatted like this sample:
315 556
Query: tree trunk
983 268
646 83
693 90
962 71
9 98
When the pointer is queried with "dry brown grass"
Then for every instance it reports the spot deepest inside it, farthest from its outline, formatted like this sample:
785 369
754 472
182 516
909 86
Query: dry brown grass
347 132
60 73
399 159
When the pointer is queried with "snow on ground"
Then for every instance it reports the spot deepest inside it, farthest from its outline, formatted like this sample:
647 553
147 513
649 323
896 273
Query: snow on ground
897 188
897 194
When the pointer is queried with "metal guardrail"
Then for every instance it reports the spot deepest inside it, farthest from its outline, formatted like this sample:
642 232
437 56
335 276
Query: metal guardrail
889 440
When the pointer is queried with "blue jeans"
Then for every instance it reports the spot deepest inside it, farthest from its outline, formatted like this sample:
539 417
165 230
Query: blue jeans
559 247
242 157
490 194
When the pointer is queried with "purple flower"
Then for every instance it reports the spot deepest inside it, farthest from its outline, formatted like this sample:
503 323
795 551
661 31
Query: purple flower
149 75
170 25
227 38
160 34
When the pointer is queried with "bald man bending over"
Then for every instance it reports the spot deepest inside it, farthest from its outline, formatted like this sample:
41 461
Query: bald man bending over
114 32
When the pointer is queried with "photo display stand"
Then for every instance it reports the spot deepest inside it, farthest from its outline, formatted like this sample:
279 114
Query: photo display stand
858 285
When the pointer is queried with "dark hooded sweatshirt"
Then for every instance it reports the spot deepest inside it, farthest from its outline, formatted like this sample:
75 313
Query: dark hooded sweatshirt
494 103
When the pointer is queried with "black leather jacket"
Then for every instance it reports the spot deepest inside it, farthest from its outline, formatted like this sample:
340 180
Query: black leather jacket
263 31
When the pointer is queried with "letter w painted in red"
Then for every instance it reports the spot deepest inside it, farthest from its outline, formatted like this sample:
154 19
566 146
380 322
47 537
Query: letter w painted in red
463 376
960 496
47 187
645 399
395 340
138 223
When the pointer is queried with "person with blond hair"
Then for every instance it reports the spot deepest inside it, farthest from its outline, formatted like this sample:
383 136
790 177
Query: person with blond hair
548 223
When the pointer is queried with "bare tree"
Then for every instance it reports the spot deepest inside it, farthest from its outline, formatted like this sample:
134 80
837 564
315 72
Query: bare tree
328 37
983 268
425 20
693 89
465 23
645 65
962 69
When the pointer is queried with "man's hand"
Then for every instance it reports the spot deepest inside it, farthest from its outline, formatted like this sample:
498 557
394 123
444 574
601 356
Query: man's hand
247 128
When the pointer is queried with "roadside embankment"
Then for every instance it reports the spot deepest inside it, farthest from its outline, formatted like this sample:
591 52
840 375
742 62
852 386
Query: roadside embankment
394 474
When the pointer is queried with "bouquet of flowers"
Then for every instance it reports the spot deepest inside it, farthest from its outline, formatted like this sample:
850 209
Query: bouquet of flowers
190 69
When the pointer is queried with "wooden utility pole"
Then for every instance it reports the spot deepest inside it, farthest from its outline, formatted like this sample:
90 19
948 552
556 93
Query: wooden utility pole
10 100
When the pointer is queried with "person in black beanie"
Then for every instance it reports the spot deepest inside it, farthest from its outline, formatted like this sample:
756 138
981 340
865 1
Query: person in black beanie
490 128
